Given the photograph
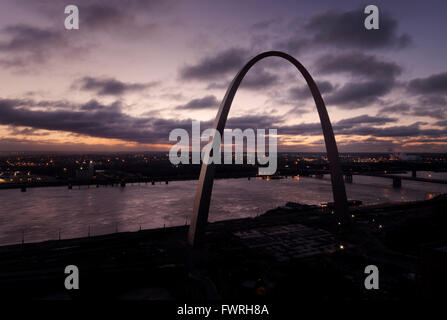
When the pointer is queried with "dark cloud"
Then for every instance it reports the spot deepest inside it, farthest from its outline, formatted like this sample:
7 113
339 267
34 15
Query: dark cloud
373 78
226 64
92 119
434 84
412 130
365 145
206 102
432 105
364 119
29 38
108 121
121 17
258 79
364 125
358 64
23 45
345 126
353 95
26 44
213 67
400 108
303 92
429 111
254 122
301 129
427 106
110 86
95 106
345 29
442 123
433 100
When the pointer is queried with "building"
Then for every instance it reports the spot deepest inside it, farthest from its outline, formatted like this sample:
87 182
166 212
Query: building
85 172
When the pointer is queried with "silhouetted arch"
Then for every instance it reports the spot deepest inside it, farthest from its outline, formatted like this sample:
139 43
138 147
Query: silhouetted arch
199 217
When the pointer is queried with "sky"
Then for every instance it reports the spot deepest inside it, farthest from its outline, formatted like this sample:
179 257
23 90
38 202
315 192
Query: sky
135 70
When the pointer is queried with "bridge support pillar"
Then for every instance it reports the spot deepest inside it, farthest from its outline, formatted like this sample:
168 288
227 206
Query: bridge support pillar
348 178
413 173
397 182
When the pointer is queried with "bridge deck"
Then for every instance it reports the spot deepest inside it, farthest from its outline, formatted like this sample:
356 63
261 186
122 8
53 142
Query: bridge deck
393 176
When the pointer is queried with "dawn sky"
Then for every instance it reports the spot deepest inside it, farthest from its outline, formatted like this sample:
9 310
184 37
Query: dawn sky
135 70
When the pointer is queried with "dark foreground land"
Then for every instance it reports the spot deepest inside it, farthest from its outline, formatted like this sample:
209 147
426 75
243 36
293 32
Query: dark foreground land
290 253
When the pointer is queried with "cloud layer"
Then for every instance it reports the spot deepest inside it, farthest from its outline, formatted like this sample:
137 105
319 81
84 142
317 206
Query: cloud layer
110 86
83 83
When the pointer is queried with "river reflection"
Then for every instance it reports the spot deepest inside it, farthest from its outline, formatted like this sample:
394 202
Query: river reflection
41 213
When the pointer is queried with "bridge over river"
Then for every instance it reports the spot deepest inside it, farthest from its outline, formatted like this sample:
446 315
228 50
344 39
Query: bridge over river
397 179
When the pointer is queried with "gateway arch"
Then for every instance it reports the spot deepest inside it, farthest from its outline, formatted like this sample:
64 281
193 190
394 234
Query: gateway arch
199 217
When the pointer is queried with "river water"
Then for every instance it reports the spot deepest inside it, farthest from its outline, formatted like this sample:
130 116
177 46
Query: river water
42 213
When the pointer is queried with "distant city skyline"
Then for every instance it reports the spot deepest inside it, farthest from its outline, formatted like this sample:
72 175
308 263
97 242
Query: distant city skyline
136 70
